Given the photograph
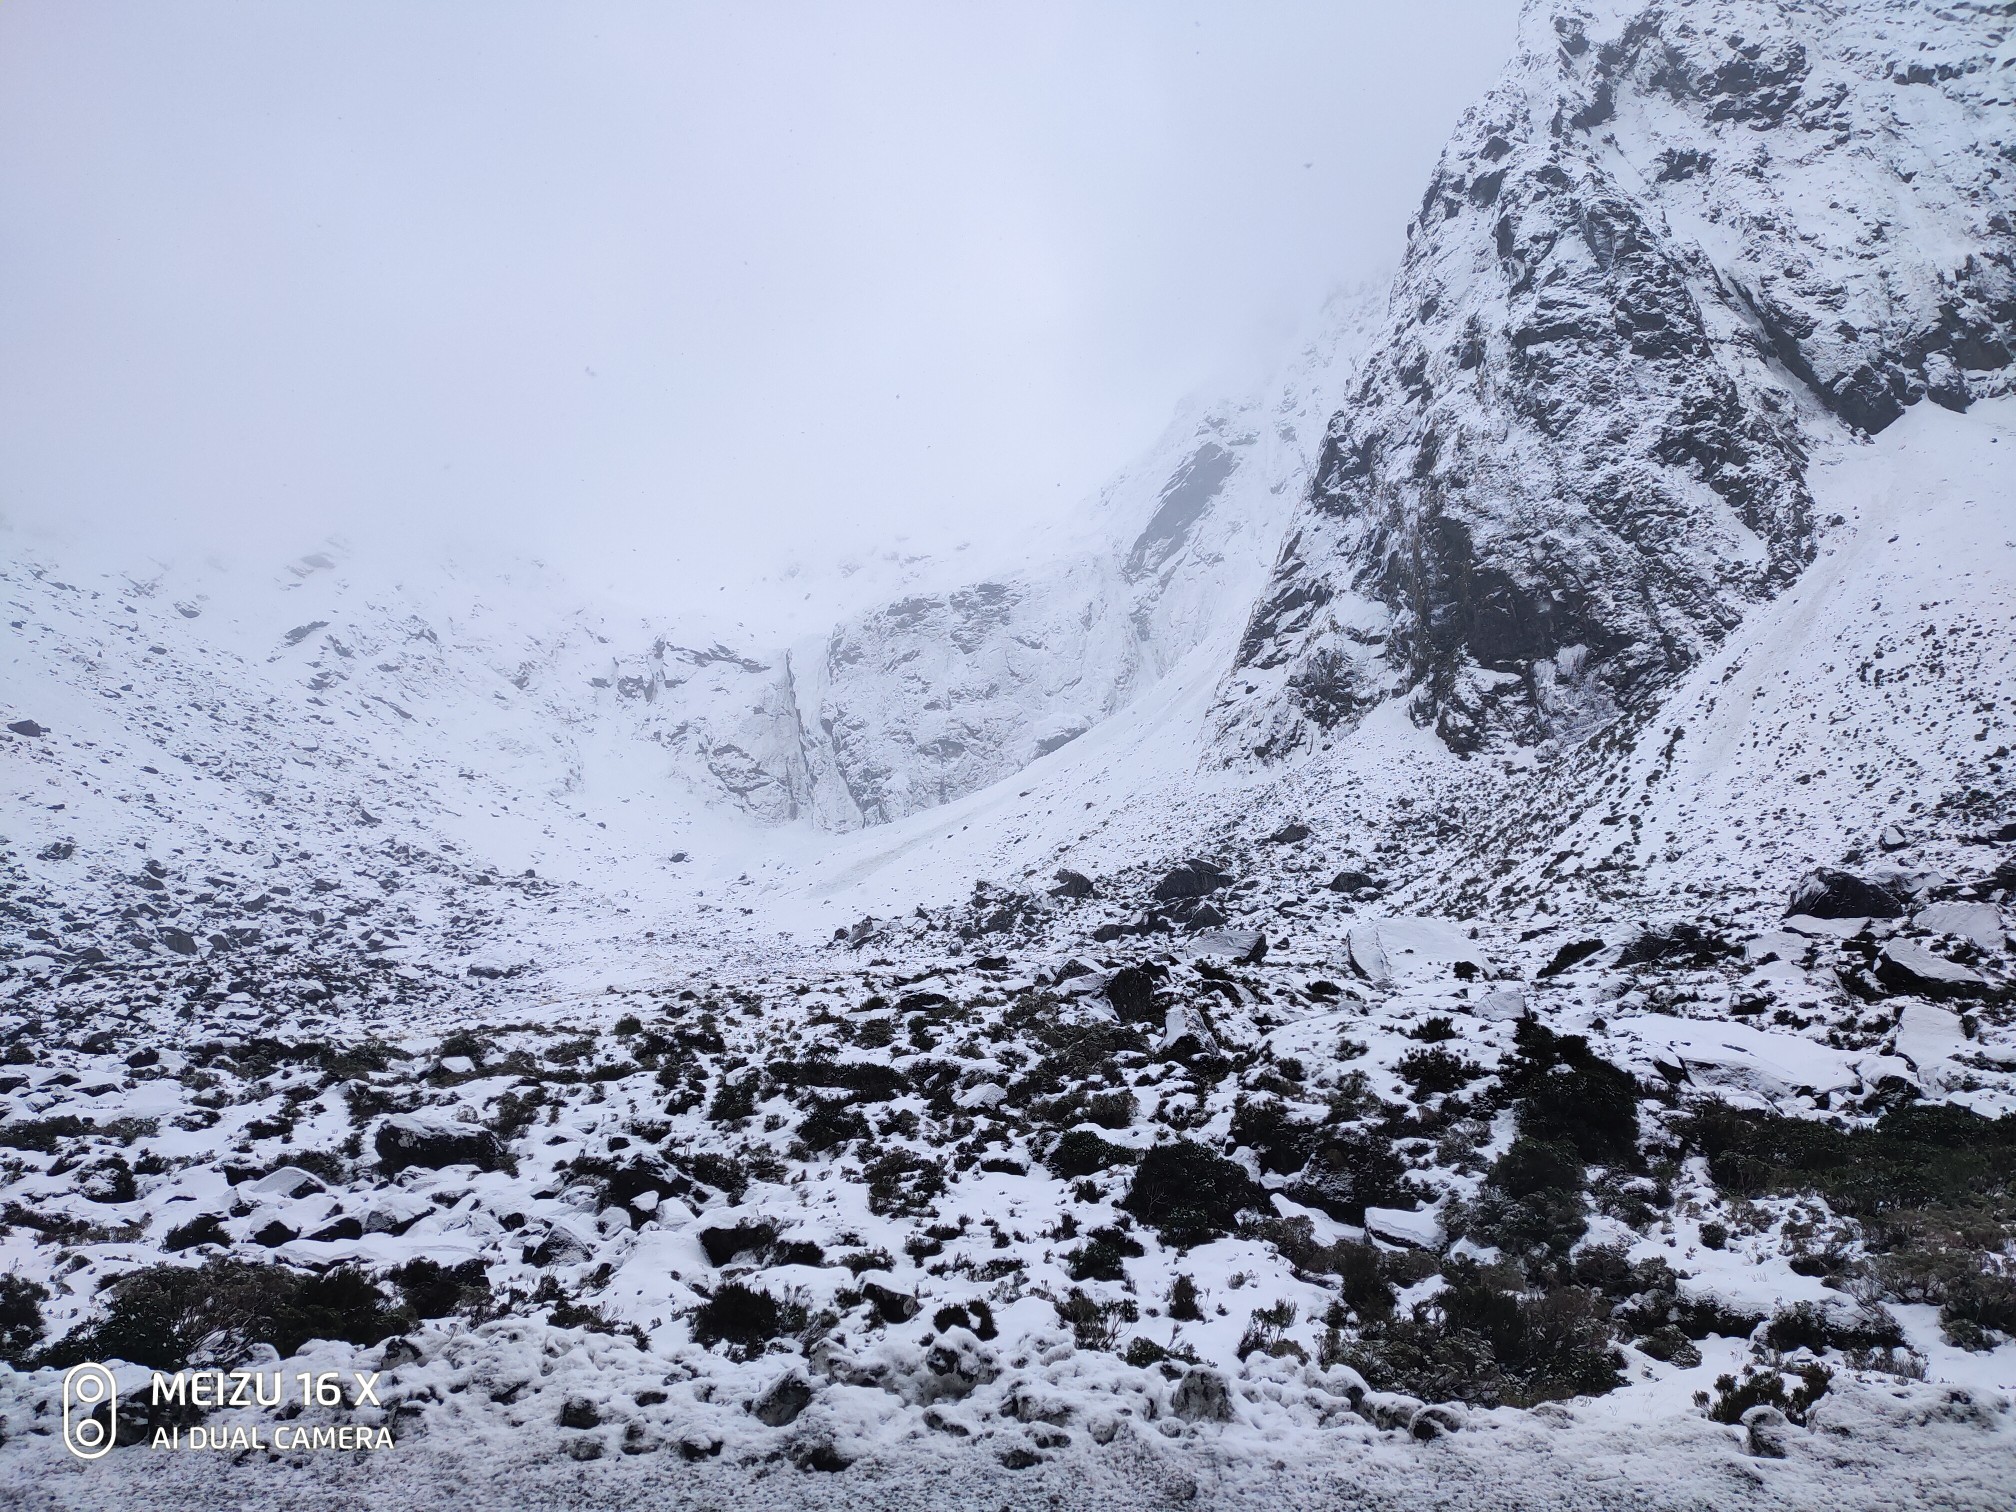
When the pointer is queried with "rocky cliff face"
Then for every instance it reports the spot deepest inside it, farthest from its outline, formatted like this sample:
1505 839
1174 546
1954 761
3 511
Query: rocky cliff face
1667 246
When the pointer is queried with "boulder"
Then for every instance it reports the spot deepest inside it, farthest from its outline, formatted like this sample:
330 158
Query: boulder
1355 884
1199 917
1437 1419
288 1181
1202 1396
890 1305
1764 1430
1192 879
1827 894
1978 923
724 1243
1071 884
1289 834
404 1142
789 1395
560 1246
1909 967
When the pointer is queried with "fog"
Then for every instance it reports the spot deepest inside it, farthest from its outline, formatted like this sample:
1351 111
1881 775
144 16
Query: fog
671 294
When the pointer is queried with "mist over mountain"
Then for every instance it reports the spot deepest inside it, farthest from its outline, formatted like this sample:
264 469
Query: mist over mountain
1445 933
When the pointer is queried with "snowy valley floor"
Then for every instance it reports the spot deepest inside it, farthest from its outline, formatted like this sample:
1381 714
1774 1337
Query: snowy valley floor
1630 1127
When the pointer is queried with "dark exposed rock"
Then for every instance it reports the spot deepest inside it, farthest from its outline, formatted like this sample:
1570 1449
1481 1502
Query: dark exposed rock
178 940
1677 945
1071 884
1520 526
580 1412
1906 966
1198 917
1289 834
1355 884
1828 894
1573 954
724 1244
890 1305
27 727
1192 879
403 1142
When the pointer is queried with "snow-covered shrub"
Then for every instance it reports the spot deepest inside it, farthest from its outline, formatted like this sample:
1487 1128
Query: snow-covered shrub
746 1319
903 1182
20 1317
1188 1193
1765 1387
1482 1340
1532 1202
1095 1324
1567 1094
158 1315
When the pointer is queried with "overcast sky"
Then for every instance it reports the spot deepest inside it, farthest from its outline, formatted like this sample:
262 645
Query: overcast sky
672 289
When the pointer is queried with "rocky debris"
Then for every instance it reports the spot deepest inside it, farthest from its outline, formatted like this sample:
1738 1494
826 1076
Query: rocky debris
1828 894
1289 834
27 727
1192 879
404 1142
1071 884
1684 944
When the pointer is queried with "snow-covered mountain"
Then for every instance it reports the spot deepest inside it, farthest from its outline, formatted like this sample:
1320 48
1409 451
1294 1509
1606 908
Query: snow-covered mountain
1674 246
1454 932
